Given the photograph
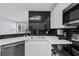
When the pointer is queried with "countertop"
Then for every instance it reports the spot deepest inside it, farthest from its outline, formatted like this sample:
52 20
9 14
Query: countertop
51 39
55 40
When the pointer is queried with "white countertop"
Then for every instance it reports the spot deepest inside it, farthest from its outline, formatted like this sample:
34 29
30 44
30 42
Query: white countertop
55 40
51 39
10 40
60 42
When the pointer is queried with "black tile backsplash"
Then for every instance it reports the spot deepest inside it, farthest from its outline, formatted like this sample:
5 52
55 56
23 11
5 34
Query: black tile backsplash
51 32
11 35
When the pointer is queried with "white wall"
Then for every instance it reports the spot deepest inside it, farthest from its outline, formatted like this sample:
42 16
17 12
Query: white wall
56 15
7 26
13 12
9 15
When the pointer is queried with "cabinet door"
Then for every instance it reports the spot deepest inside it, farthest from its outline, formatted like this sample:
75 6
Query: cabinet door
44 48
9 51
31 48
13 50
37 48
19 50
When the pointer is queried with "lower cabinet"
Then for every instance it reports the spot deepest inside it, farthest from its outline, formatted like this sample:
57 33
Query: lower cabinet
37 48
27 48
15 49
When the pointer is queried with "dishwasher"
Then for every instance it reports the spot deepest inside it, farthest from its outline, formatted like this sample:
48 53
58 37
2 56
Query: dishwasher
13 49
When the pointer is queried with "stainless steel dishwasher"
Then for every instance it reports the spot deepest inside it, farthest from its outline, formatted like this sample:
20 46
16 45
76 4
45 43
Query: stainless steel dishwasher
13 49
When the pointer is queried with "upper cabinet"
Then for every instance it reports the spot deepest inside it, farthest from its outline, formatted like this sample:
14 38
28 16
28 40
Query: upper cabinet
57 15
71 14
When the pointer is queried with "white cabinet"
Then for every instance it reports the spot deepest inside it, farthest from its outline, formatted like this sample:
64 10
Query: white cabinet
57 16
37 48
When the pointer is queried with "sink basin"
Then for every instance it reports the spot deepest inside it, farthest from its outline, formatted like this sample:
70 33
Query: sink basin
37 37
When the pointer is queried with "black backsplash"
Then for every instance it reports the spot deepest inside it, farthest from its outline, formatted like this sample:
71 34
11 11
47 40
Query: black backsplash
51 32
76 30
11 35
69 33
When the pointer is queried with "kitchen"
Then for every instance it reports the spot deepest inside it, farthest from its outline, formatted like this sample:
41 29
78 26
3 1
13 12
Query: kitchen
39 29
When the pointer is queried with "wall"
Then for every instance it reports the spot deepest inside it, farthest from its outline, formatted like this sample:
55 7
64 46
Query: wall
9 15
13 12
56 15
7 26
